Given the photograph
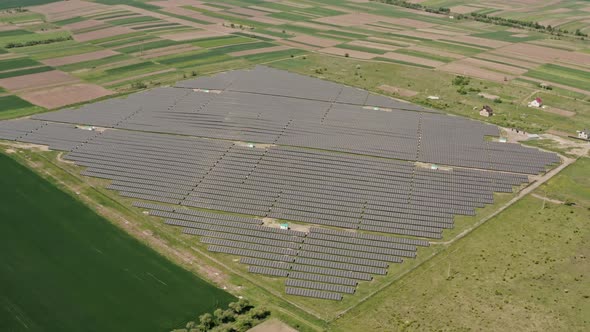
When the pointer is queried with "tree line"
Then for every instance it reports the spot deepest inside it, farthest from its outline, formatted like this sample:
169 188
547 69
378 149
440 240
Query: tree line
238 317
37 42
497 20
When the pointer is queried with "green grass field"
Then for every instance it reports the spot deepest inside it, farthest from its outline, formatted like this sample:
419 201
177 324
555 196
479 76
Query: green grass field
524 270
64 268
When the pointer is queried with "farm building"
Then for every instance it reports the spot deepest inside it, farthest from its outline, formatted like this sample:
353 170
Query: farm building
486 111
583 134
538 102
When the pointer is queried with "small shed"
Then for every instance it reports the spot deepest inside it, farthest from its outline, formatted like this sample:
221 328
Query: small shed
583 134
486 111
284 226
538 102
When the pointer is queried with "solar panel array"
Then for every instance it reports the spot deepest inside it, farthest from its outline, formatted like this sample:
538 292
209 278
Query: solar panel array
317 159
298 256
269 106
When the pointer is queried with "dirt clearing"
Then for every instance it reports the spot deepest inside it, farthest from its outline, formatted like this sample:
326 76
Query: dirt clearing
461 68
34 81
65 95
272 325
398 91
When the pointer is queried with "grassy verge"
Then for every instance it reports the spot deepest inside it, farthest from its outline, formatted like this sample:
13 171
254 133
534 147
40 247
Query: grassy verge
523 270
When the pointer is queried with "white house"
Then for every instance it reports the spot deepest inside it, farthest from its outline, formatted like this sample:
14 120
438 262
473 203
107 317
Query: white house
583 134
538 102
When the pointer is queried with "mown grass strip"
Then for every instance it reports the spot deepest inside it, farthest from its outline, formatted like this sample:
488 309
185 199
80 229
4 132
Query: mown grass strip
221 41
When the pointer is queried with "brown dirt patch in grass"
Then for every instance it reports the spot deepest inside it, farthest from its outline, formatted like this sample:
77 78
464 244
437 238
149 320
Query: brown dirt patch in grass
398 91
79 58
272 325
462 68
412 59
260 50
316 41
65 95
488 96
103 33
351 53
39 80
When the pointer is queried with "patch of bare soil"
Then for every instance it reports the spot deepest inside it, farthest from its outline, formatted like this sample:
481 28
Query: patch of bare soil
34 81
398 91
272 325
65 95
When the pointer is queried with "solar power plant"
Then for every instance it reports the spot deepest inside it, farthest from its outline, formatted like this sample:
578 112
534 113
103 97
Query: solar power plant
264 143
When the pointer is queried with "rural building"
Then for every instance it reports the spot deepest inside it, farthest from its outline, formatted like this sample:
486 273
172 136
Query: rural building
538 102
583 134
486 111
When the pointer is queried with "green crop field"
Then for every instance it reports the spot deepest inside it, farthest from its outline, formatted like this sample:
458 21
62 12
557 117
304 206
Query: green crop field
148 46
564 75
5 4
11 64
22 72
64 268
13 106
523 270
